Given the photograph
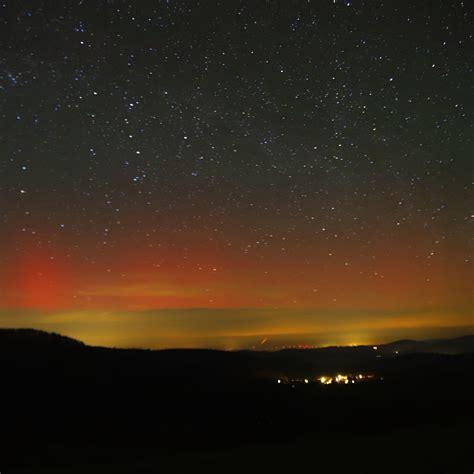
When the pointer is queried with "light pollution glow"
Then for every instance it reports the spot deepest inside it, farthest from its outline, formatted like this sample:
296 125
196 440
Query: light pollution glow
233 304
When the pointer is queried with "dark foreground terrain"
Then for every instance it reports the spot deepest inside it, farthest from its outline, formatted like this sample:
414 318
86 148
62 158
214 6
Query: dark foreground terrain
70 408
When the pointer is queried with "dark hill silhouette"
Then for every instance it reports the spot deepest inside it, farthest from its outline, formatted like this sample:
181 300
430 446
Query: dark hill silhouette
69 405
35 338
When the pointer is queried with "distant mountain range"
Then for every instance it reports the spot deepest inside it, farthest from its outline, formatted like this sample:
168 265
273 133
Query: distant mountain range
458 345
33 350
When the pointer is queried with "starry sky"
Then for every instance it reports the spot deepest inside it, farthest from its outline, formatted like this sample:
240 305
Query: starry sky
236 173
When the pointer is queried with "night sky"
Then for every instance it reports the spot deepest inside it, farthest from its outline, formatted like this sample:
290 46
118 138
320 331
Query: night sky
236 173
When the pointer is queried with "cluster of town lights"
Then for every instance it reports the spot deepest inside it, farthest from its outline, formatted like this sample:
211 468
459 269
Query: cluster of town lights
329 379
345 379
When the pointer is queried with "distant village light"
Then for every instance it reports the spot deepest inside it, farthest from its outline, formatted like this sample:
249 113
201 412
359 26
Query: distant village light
341 379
